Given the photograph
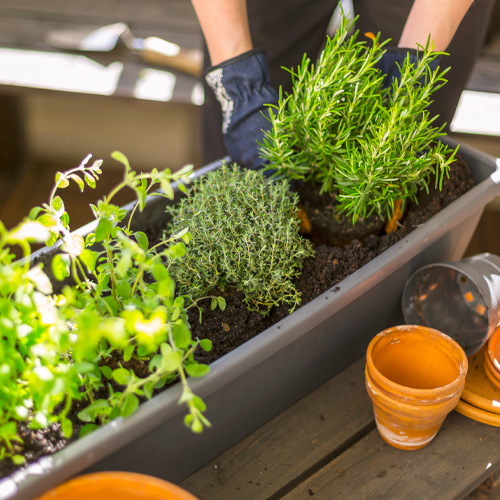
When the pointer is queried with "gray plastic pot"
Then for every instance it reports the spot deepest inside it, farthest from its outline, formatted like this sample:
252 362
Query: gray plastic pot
261 378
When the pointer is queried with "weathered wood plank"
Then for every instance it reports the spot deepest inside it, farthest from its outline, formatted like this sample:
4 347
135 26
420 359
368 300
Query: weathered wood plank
150 12
32 32
462 455
292 445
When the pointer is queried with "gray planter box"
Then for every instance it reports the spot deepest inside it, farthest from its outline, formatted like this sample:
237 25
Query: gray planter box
264 376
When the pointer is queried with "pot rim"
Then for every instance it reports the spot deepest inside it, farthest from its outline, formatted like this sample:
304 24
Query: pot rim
455 384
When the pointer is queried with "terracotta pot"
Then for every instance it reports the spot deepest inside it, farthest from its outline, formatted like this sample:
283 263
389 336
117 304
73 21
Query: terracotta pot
491 372
117 486
414 377
493 350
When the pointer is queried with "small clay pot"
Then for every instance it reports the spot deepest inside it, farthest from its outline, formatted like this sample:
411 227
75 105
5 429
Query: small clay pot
493 350
117 486
414 377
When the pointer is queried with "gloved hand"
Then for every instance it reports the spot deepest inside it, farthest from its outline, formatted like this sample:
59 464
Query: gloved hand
242 88
394 58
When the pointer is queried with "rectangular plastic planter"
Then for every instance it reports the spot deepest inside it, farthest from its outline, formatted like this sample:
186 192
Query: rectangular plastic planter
264 376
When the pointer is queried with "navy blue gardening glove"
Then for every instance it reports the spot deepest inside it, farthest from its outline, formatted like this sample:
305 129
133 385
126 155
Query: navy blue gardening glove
394 58
242 87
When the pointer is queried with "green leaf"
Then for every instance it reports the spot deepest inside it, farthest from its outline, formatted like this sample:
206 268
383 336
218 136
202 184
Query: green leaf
18 459
144 350
199 404
177 250
127 352
84 367
34 212
61 180
78 180
124 289
87 429
122 376
197 426
58 204
184 171
124 264
113 304
206 345
166 288
142 240
148 389
171 362
130 404
67 427
47 221
197 370
60 266
222 303
65 219
107 372
167 189
121 158
213 304
103 229
90 239
89 259
89 179
95 211
89 414
160 272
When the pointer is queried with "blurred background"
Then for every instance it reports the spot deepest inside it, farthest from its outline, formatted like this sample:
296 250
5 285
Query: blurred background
70 85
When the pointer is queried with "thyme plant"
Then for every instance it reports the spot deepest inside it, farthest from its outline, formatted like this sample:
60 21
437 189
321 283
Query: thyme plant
245 235
339 128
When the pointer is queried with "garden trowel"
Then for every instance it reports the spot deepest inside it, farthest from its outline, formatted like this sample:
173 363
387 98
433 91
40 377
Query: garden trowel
104 39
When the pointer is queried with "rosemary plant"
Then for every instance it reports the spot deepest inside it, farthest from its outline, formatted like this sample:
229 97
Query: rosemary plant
245 235
341 129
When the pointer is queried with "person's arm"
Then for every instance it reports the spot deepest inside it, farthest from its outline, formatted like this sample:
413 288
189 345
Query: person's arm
225 26
437 18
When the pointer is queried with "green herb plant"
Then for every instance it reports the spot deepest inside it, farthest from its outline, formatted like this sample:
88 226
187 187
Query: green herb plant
341 129
35 378
124 299
245 235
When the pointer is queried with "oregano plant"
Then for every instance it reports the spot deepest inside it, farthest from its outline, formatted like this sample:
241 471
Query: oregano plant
124 299
36 378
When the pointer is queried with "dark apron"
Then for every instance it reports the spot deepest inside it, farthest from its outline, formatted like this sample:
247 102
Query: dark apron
289 28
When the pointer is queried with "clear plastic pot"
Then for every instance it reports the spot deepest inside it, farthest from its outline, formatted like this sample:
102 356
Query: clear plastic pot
414 377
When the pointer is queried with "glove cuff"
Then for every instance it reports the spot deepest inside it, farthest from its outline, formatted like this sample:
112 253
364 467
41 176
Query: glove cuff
236 59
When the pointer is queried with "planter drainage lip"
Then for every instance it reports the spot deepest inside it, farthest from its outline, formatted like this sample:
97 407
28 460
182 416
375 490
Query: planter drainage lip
303 325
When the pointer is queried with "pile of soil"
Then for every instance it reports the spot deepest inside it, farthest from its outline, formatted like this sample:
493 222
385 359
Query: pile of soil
235 325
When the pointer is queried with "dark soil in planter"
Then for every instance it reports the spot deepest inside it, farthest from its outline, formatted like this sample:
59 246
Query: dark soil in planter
235 325
230 328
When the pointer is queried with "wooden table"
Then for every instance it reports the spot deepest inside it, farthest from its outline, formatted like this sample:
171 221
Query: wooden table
327 446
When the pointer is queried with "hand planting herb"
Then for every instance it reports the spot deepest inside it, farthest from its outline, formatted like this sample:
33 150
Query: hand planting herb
340 129
245 235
